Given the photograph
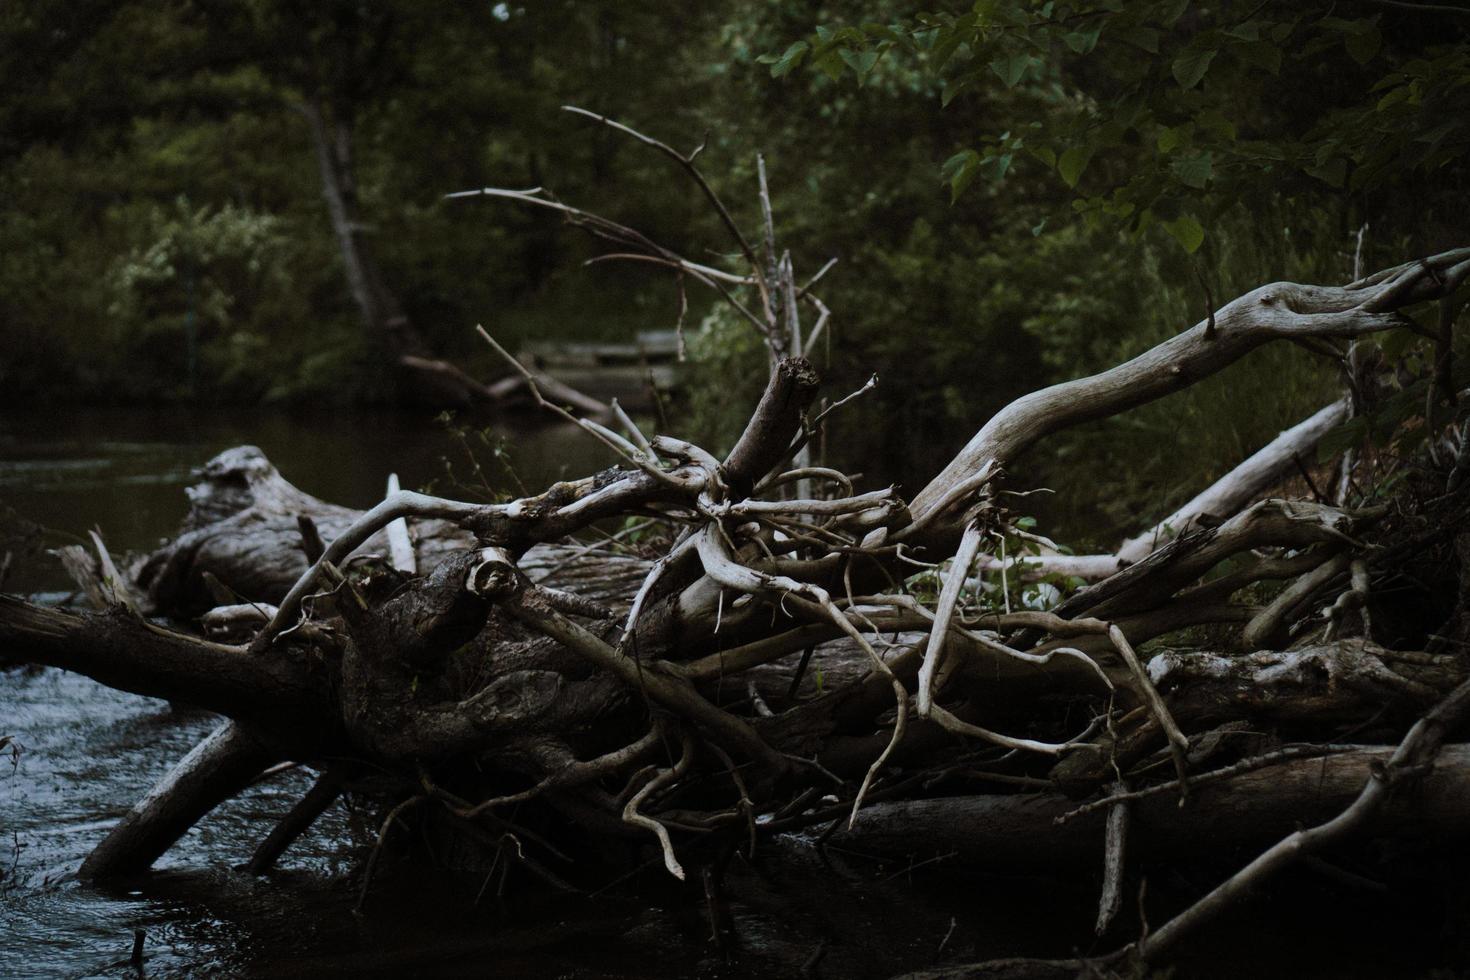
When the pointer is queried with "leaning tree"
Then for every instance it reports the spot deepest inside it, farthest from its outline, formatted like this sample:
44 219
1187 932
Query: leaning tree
798 652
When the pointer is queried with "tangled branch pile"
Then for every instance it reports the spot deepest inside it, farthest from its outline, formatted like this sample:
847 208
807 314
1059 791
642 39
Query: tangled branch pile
801 653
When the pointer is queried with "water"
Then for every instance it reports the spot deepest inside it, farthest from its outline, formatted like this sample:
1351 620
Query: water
87 752
124 470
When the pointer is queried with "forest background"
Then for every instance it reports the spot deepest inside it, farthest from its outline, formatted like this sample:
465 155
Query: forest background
1017 193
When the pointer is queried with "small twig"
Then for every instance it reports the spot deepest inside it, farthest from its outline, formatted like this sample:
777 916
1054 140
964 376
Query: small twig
826 267
604 435
959 571
936 859
796 677
372 864
311 539
1311 484
1178 743
631 426
1209 302
687 163
945 941
1227 772
867 386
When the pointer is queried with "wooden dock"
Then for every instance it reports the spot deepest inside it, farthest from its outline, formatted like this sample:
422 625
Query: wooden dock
606 371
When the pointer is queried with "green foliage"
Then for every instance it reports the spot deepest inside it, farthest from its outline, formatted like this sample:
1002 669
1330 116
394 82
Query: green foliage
480 468
724 378
209 297
1169 112
1018 193
127 107
1146 462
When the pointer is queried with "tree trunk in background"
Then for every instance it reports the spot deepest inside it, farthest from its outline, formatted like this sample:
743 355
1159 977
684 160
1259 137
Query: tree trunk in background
422 377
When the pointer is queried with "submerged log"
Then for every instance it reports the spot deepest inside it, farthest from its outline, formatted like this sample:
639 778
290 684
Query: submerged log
217 768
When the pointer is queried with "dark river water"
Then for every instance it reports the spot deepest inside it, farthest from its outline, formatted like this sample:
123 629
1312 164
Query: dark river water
85 753
124 470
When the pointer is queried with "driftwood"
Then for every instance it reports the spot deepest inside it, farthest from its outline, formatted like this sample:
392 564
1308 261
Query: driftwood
838 656
1020 832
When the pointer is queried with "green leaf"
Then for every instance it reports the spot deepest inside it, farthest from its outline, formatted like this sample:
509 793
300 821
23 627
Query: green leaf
1260 54
954 86
1393 98
1171 137
1191 66
1011 68
960 170
1140 37
861 62
885 33
1249 31
1436 135
1187 232
1333 172
996 166
1194 170
830 63
1082 42
1349 27
788 61
1073 162
1363 46
944 49
1045 154
1214 121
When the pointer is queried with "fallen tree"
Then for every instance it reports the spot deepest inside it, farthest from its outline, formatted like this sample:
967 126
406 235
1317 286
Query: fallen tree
797 652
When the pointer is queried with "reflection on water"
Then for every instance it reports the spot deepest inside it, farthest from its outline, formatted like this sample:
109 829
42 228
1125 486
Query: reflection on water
124 470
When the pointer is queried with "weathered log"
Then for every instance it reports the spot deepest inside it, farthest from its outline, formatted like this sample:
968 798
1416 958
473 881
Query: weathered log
767 437
1020 831
1278 311
497 676
217 768
127 653
242 529
1261 472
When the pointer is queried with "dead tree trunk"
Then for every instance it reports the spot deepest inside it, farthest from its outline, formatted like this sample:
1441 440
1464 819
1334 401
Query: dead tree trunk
774 653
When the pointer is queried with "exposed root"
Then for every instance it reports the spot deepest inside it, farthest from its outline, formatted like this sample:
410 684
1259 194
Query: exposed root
662 779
